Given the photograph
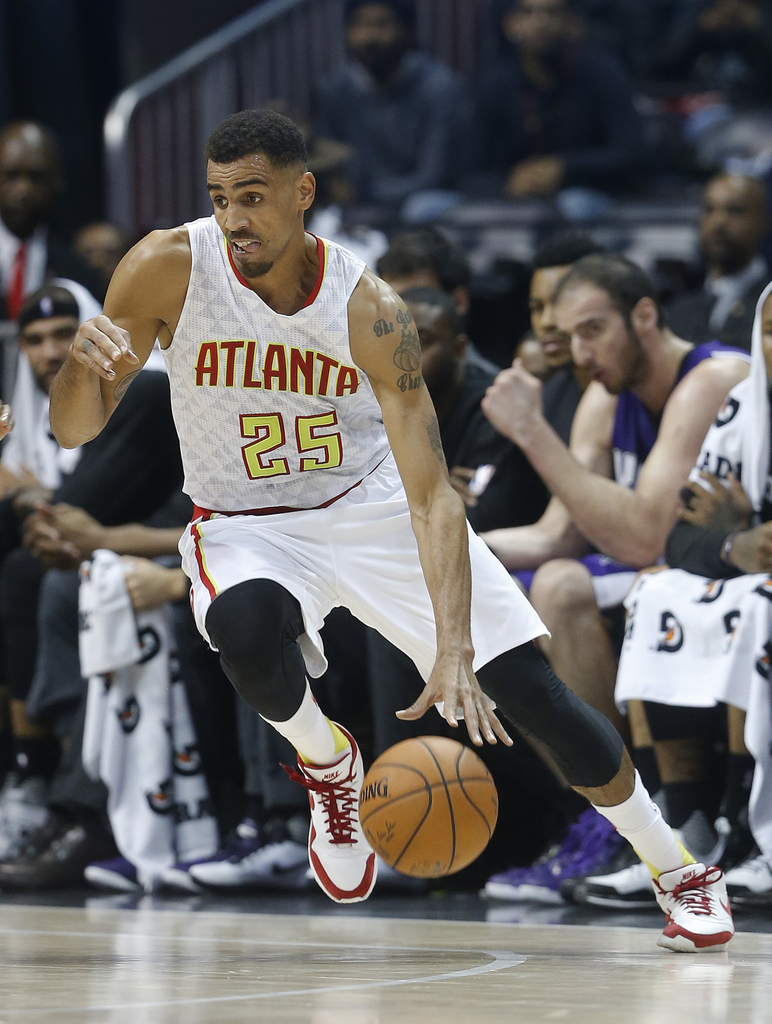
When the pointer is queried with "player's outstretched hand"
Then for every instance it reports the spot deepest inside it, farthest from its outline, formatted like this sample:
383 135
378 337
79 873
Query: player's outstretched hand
100 344
454 684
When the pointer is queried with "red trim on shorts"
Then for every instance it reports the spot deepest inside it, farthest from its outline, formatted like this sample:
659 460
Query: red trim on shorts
205 513
200 561
319 279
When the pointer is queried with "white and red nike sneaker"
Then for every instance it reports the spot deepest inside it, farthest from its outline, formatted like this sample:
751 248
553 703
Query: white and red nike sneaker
699 918
341 859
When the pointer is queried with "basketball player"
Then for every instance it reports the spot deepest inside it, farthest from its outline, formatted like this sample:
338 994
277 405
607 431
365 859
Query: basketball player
313 457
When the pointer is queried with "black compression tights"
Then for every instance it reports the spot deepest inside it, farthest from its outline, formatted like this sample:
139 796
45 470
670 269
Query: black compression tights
255 626
586 746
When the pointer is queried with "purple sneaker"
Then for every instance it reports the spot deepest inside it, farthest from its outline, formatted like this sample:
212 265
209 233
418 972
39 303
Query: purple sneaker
243 840
118 873
591 843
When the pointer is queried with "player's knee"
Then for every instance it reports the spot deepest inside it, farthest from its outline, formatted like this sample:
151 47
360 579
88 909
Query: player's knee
561 588
246 624
522 685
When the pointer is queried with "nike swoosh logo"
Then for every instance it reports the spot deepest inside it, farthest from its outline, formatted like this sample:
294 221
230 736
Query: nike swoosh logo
726 907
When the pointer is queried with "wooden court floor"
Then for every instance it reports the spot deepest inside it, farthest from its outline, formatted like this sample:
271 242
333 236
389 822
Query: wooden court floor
106 966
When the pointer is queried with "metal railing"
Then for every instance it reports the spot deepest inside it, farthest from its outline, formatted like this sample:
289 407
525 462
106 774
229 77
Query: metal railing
156 130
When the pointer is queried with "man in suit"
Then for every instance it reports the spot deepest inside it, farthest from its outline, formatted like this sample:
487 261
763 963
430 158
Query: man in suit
29 253
734 221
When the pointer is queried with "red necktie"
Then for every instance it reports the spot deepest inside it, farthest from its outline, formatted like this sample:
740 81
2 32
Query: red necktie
15 294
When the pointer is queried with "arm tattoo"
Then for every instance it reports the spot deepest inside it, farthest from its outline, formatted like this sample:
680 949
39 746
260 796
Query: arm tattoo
433 430
407 356
123 385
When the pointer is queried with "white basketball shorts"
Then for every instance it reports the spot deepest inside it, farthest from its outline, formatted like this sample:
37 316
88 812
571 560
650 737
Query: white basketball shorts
361 553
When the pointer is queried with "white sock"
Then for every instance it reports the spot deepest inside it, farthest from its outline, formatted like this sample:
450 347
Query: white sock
640 821
314 737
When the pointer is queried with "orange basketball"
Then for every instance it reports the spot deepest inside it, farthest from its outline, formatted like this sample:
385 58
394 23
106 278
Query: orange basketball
428 806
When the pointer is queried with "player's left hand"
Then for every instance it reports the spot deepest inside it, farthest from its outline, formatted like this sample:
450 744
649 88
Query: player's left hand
73 525
453 683
714 505
513 402
44 542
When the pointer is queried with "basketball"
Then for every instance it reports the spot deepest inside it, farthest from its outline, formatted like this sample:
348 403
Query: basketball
428 806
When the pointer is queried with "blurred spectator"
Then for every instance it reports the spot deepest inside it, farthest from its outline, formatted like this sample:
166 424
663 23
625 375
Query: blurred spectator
426 259
722 46
734 221
400 111
102 246
124 476
326 159
29 182
554 113
47 324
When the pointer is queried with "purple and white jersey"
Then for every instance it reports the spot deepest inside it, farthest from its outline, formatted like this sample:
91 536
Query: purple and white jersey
635 428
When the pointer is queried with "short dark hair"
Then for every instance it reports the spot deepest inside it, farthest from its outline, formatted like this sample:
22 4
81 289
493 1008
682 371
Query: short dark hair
436 299
257 131
427 249
404 9
624 282
564 248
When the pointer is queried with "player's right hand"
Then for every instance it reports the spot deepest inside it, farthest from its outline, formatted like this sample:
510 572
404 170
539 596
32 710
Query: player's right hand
752 549
100 344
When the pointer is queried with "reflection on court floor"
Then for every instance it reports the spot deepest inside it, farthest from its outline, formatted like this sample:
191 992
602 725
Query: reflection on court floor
163 967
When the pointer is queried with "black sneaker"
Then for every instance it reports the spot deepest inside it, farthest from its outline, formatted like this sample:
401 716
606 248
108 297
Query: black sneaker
734 844
626 884
55 856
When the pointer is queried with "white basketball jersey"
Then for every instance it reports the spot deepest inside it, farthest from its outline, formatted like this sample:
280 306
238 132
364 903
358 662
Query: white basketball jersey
271 411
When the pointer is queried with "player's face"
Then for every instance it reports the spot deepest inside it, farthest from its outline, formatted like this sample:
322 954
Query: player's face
555 345
28 179
766 334
46 344
733 222
258 208
376 36
441 348
540 26
602 342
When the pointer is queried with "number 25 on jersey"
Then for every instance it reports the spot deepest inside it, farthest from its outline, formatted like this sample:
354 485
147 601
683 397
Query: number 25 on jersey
269 433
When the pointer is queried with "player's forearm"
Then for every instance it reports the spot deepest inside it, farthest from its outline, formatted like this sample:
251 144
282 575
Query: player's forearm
528 547
614 519
142 541
443 547
76 411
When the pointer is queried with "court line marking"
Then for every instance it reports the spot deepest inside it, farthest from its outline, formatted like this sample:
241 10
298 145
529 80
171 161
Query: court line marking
501 961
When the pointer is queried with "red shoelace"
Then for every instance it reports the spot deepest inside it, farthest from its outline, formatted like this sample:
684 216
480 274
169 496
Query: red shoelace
693 894
339 804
